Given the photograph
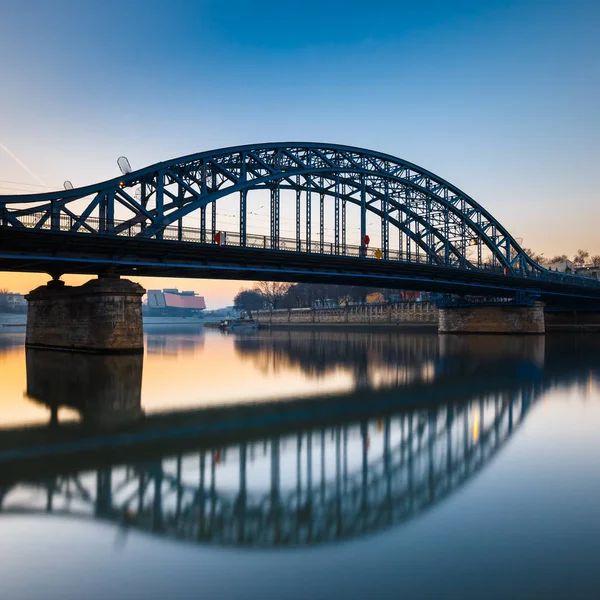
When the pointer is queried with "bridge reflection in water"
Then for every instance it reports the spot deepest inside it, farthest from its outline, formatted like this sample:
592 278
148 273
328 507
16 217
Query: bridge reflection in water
321 485
303 484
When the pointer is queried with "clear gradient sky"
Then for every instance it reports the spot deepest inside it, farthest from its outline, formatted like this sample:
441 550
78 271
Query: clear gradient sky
499 97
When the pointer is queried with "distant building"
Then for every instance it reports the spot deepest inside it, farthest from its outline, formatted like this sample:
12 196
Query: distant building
12 303
16 301
170 302
589 271
564 266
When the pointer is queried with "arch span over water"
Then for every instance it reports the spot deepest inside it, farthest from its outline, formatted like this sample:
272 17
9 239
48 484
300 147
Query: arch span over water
301 198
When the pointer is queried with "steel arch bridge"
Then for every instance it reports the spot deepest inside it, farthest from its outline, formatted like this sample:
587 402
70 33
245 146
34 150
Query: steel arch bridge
281 211
339 485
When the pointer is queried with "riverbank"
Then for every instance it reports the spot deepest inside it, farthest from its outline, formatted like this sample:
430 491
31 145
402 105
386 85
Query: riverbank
408 315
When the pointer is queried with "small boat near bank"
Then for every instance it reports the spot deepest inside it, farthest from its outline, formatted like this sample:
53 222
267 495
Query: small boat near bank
244 323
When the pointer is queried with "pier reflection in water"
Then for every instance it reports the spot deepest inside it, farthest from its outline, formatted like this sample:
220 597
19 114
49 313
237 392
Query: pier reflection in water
104 389
418 424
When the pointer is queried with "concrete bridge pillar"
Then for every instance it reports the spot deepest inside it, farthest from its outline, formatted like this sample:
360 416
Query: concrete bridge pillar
102 315
509 318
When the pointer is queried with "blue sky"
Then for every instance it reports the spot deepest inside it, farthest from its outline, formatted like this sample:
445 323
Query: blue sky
499 97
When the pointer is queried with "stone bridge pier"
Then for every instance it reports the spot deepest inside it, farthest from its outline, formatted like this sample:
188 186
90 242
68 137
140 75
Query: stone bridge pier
508 318
102 315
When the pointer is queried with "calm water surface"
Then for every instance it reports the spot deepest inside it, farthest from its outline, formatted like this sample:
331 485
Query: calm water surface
336 464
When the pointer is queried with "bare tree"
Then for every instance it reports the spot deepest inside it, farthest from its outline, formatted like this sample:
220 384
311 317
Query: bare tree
248 300
273 292
538 258
595 260
581 256
558 258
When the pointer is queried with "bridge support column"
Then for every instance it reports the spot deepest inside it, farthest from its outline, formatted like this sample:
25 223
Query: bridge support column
492 319
102 315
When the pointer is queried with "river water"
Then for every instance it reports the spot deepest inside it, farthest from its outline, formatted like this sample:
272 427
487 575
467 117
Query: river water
302 464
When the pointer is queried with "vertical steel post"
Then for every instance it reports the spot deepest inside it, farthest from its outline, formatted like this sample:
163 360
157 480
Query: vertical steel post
308 215
160 203
298 199
55 215
363 213
213 220
213 208
400 240
463 227
385 221
110 212
275 216
203 224
101 215
428 219
408 222
321 220
203 194
446 230
344 233
336 227
243 196
180 202
479 244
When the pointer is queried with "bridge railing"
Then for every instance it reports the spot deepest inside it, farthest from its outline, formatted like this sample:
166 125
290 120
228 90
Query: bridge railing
130 228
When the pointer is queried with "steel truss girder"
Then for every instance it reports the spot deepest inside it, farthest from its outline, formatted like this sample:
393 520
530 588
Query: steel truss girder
204 178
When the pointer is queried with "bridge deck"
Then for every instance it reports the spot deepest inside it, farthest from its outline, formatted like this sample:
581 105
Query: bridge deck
90 254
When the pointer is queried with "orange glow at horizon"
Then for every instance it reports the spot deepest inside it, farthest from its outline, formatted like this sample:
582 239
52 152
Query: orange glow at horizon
218 293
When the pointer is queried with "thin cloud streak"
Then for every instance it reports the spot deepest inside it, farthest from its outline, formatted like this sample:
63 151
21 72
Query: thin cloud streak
22 164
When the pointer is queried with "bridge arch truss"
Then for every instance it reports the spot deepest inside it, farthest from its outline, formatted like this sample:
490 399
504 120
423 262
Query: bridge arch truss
331 196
